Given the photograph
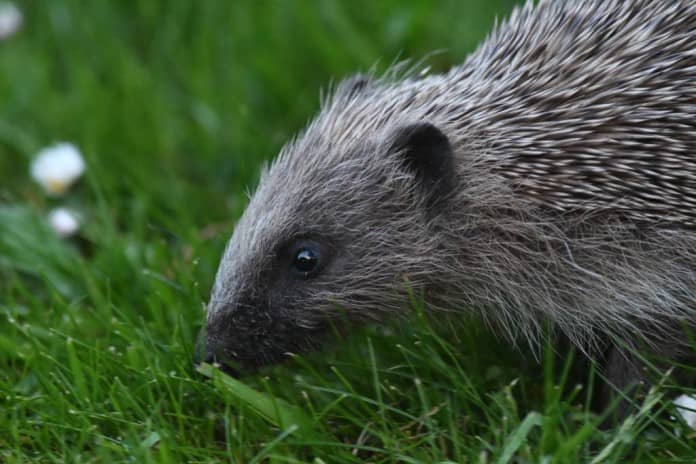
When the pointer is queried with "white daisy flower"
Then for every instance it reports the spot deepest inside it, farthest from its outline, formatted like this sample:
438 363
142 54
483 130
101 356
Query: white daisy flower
10 19
57 167
64 222
686 408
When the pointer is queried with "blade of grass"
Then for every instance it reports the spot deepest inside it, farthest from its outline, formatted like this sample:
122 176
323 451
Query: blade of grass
275 410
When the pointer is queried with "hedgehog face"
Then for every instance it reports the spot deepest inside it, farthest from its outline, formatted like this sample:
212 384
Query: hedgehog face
325 241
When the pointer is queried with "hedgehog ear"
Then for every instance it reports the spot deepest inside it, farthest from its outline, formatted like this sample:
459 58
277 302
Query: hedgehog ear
427 152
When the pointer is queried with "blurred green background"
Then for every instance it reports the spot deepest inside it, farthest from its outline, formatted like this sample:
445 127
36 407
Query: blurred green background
175 106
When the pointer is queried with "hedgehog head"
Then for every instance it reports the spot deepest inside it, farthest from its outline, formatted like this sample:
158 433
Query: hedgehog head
335 233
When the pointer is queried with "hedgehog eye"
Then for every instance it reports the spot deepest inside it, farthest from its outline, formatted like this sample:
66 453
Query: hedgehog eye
306 261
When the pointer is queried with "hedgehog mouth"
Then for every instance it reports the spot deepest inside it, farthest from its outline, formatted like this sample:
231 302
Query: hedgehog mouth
203 356
236 367
235 364
228 369
240 356
203 353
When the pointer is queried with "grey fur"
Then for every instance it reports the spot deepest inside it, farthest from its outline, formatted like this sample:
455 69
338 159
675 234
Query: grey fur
573 128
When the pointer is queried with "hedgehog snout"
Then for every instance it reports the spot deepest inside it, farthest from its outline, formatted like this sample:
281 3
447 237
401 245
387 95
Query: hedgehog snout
238 334
210 350
215 341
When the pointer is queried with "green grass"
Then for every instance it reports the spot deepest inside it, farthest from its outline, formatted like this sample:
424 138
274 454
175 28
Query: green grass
176 105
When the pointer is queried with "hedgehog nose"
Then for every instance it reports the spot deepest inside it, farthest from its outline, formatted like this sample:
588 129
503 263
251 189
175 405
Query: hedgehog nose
209 350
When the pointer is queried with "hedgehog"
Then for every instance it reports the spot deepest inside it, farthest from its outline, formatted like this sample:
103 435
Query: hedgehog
549 180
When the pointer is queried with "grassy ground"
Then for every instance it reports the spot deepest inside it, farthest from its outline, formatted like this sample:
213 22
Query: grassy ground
175 106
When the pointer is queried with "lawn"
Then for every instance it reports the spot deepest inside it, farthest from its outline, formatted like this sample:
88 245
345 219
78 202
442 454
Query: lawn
175 107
